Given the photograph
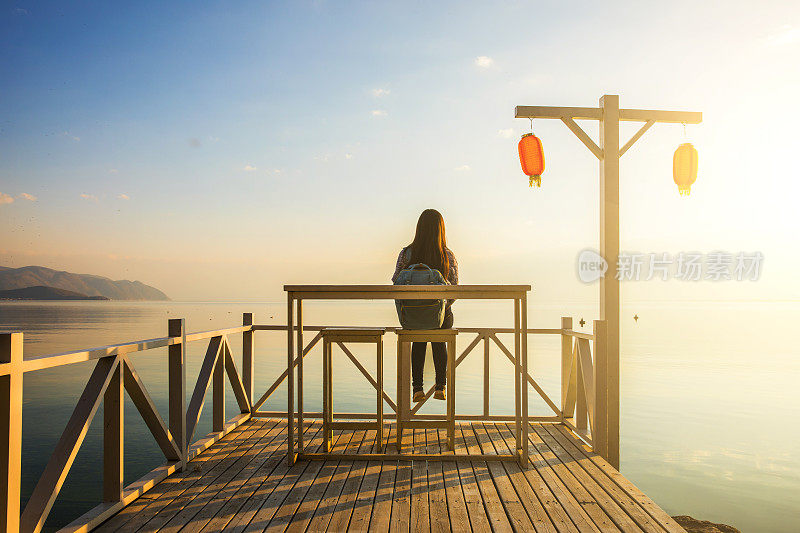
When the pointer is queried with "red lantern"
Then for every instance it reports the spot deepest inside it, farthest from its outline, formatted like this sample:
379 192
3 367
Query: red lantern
531 157
684 167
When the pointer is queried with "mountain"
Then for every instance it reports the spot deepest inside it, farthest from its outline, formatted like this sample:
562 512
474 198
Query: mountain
41 292
86 284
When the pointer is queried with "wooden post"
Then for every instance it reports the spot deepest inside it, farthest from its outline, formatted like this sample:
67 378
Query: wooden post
379 370
290 379
114 435
218 390
600 426
248 349
524 370
517 380
486 375
11 425
300 375
176 360
609 250
566 366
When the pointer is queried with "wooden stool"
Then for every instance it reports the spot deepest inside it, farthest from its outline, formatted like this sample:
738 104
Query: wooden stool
404 417
360 335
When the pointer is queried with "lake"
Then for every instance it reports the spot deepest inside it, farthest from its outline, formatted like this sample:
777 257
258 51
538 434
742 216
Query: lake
709 395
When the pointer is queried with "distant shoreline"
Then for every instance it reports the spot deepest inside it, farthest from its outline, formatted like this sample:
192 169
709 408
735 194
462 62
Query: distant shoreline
44 293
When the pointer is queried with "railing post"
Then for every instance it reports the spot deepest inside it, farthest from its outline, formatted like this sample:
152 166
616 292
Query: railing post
114 435
486 376
600 426
218 390
11 425
247 358
176 327
566 365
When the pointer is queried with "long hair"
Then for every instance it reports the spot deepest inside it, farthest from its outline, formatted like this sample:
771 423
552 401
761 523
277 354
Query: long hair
429 243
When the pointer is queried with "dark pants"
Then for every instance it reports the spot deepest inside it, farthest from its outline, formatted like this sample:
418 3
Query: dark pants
439 350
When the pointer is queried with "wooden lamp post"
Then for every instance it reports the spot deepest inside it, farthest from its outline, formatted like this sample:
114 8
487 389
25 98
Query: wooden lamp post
609 115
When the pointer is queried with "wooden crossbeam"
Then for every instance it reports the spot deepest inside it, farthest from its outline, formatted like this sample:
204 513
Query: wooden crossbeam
282 377
236 383
636 136
366 374
530 380
584 138
144 404
596 113
52 479
200 388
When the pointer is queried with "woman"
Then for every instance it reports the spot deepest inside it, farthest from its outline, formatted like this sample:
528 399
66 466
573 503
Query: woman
430 247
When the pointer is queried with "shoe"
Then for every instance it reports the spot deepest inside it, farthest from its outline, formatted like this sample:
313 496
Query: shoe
419 396
439 394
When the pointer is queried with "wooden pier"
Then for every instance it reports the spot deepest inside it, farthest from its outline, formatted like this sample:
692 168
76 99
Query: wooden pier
238 478
242 483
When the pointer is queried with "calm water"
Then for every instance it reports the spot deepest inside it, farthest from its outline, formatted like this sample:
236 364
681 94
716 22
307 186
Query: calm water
710 402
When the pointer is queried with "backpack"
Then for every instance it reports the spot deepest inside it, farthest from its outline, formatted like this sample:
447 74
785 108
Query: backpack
420 314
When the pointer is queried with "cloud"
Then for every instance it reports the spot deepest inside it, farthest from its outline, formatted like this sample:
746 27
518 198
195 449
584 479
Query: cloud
194 142
90 197
6 199
123 196
21 11
484 62
348 156
71 136
249 168
506 133
378 113
113 171
380 92
785 36
26 196
463 168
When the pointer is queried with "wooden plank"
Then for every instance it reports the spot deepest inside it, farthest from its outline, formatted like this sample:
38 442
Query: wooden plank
628 504
450 480
264 503
546 484
641 498
42 362
51 480
609 505
340 517
437 494
114 436
420 512
578 113
473 501
600 420
405 289
171 495
144 404
401 498
511 501
495 512
515 475
676 117
565 476
376 516
222 491
203 381
302 500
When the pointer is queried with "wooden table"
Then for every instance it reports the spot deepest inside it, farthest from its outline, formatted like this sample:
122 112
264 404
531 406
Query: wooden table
295 294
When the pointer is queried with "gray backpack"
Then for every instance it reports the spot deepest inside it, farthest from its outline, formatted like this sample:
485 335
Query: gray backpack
420 314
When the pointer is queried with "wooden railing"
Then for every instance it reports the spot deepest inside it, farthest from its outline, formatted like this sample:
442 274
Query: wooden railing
588 405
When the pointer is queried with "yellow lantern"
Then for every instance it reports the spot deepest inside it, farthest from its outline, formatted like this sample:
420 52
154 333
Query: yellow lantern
684 167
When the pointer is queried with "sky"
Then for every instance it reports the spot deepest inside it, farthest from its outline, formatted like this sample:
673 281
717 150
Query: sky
219 150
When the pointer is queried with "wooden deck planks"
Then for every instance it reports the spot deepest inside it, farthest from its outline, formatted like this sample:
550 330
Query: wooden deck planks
243 484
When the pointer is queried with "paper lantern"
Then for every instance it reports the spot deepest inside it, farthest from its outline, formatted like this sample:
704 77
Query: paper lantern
531 157
684 167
